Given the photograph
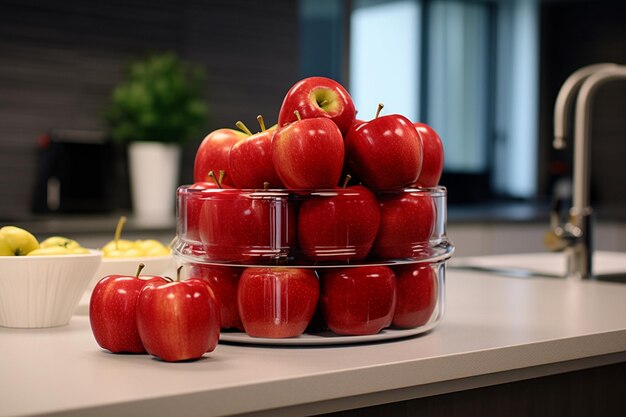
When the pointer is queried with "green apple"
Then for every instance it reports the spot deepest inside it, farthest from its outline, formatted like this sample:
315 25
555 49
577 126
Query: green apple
20 241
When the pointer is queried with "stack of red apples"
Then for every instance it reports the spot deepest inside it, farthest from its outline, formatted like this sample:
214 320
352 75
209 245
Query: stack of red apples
322 222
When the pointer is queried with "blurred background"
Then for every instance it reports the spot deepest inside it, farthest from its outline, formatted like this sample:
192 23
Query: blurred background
484 74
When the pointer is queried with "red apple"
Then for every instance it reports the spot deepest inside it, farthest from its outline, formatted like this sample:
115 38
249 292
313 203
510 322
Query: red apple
308 154
358 300
384 153
318 97
112 311
407 220
432 166
416 295
358 122
338 226
237 226
178 320
250 163
277 302
223 281
190 202
214 152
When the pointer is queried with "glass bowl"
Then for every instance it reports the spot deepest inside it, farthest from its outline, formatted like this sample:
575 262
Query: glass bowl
342 265
335 227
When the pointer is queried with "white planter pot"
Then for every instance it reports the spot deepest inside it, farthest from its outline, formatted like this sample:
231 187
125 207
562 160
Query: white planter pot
154 169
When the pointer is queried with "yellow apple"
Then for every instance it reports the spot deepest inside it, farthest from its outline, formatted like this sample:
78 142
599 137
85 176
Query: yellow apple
152 247
79 250
20 241
60 241
5 248
50 250
122 248
118 245
128 253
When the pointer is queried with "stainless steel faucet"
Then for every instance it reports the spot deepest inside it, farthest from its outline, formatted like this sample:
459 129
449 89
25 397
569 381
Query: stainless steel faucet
575 236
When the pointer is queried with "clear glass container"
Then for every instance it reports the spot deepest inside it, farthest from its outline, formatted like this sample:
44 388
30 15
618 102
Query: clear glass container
317 267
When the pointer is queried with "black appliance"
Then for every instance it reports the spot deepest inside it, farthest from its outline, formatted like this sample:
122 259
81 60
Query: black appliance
75 172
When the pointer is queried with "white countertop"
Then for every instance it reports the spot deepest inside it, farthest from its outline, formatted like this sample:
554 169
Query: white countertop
496 330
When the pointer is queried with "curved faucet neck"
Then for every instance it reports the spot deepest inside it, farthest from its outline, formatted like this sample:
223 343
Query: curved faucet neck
582 131
565 98
576 236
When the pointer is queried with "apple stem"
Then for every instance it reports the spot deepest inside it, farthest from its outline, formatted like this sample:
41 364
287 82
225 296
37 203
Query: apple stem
178 273
346 180
243 127
140 267
297 113
380 107
261 122
220 179
266 186
215 179
118 230
322 103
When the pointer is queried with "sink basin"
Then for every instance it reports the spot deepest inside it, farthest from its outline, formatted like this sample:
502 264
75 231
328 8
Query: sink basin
526 273
610 266
612 277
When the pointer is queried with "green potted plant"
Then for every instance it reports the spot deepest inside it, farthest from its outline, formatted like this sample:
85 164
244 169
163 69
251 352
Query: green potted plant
158 107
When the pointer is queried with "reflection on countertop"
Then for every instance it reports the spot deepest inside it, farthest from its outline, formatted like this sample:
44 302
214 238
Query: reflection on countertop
499 211
96 230
98 223
476 229
519 211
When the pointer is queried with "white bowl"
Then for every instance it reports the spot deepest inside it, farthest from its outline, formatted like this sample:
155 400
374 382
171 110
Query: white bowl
43 291
154 265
